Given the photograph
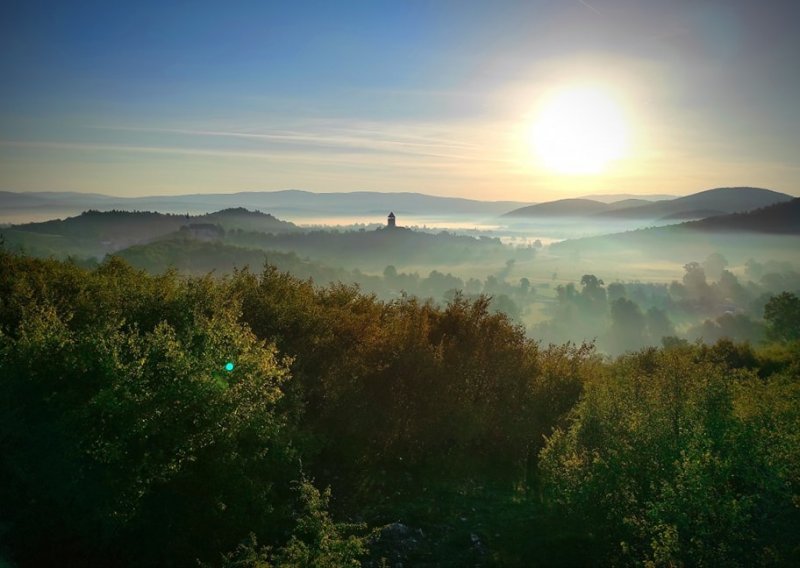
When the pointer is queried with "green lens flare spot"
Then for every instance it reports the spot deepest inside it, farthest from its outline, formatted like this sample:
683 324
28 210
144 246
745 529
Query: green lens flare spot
229 366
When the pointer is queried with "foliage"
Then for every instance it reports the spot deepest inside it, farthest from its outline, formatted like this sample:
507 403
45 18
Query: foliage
125 441
782 313
120 426
316 541
421 386
669 461
117 394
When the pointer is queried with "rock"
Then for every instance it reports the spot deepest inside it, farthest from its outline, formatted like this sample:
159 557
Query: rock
393 544
395 530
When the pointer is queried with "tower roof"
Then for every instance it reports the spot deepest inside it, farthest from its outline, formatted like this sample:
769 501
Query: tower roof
391 214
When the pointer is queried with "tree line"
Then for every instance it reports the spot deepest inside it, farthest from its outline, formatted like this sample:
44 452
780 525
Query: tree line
708 304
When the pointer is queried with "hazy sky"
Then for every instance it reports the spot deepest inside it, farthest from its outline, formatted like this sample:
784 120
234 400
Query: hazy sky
439 97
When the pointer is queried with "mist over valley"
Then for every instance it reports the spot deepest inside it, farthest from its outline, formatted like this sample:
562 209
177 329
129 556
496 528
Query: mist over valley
532 262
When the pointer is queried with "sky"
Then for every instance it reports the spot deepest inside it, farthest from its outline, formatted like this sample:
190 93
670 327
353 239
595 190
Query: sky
440 97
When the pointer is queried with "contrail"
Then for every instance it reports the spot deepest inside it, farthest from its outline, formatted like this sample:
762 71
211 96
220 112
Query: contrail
590 7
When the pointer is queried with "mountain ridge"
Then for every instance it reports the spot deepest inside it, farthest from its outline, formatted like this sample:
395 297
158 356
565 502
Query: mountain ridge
285 203
777 220
560 207
722 200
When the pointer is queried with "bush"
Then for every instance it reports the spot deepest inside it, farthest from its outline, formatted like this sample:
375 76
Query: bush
662 465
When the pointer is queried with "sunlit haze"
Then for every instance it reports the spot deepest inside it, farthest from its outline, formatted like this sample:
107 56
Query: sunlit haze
525 101
579 130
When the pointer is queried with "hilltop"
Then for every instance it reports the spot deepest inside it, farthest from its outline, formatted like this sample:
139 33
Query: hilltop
780 218
617 197
96 233
560 208
719 200
696 206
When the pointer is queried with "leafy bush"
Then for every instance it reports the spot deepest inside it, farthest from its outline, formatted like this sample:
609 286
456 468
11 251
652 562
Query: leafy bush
668 460
123 436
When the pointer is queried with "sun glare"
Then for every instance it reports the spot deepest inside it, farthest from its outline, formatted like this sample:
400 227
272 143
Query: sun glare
579 131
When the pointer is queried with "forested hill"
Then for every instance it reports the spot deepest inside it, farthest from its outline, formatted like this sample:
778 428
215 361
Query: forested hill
157 240
96 233
142 224
781 218
370 249
376 248
108 225
775 226
247 220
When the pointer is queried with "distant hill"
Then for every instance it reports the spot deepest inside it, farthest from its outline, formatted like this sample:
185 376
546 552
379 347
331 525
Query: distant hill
133 224
617 197
375 248
692 215
781 218
626 203
573 208
47 199
284 203
44 205
246 220
724 200
707 203
560 208
755 234
95 233
92 233
320 255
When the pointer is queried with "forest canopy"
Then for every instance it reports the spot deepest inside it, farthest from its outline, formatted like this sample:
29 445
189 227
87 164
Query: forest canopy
258 419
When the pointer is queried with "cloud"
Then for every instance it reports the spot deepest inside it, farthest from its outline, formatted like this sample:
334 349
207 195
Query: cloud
590 7
368 138
427 160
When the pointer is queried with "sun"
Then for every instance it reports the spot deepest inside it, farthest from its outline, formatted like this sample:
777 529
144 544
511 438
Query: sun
579 131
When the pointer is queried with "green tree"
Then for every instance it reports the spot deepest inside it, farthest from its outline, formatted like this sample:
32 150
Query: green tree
694 281
616 290
124 434
658 325
315 541
594 294
627 326
782 314
665 465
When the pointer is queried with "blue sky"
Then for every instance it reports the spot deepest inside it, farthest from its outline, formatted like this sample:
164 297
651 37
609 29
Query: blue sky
147 98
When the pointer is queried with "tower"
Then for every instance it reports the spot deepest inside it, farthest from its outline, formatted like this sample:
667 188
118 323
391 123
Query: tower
390 223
